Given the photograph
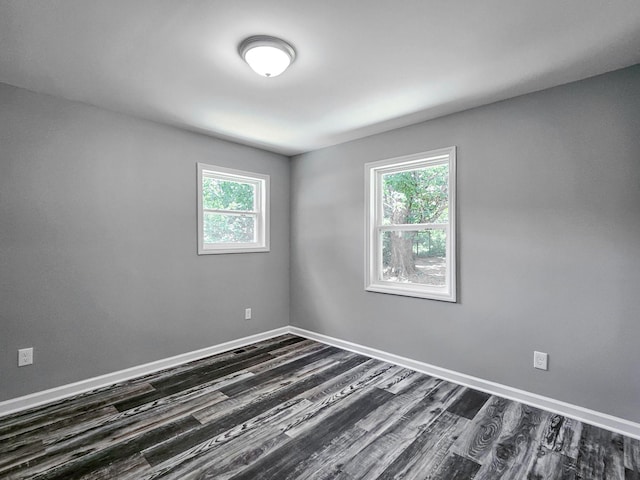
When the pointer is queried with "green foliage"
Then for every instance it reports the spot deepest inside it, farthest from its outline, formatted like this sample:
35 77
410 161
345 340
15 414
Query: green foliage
430 243
417 196
227 195
226 228
221 227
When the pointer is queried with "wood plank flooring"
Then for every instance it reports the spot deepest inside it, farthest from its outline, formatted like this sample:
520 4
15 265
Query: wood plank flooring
291 408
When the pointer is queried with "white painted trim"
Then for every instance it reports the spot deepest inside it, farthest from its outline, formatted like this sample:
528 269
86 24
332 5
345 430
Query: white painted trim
592 417
374 225
58 393
262 183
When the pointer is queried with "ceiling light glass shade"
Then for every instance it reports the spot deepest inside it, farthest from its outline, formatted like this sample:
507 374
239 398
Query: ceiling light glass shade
267 56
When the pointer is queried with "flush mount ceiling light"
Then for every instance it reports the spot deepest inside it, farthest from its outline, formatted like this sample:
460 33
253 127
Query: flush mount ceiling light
267 56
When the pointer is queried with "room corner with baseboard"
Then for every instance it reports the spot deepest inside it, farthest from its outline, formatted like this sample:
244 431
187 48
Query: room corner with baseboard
155 325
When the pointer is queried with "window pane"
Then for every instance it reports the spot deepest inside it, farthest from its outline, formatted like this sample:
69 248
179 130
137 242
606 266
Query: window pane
227 195
228 228
416 196
414 257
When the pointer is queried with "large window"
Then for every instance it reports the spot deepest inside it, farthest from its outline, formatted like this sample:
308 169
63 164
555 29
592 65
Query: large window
233 211
411 248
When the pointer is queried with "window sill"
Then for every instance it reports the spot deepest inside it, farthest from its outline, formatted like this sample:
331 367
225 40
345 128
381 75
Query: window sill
225 250
408 290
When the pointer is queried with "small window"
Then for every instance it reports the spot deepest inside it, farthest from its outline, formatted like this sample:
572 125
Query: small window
411 240
233 211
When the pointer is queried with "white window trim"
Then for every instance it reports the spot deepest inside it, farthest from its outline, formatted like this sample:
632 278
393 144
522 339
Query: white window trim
373 248
261 211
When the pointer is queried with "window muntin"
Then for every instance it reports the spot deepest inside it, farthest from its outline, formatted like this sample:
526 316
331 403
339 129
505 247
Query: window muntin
411 225
233 213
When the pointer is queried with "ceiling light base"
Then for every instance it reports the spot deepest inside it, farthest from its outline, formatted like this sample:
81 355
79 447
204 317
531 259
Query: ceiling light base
267 56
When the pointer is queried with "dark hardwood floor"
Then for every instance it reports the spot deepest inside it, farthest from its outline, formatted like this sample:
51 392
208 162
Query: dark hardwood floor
290 408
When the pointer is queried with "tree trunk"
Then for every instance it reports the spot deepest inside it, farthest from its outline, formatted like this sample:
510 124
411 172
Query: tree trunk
402 261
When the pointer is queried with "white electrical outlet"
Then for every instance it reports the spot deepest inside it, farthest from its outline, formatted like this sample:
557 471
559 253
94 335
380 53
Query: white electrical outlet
541 360
247 314
25 356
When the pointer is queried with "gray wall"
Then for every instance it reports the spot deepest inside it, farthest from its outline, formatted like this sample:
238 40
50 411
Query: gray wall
98 264
549 245
98 269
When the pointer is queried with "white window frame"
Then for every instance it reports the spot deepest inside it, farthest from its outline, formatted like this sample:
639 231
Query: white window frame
260 210
374 225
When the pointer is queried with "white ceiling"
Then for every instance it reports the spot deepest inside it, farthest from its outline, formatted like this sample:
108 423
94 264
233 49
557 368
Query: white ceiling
363 66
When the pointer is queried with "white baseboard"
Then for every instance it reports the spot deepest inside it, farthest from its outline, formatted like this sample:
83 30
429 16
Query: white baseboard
592 417
58 393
